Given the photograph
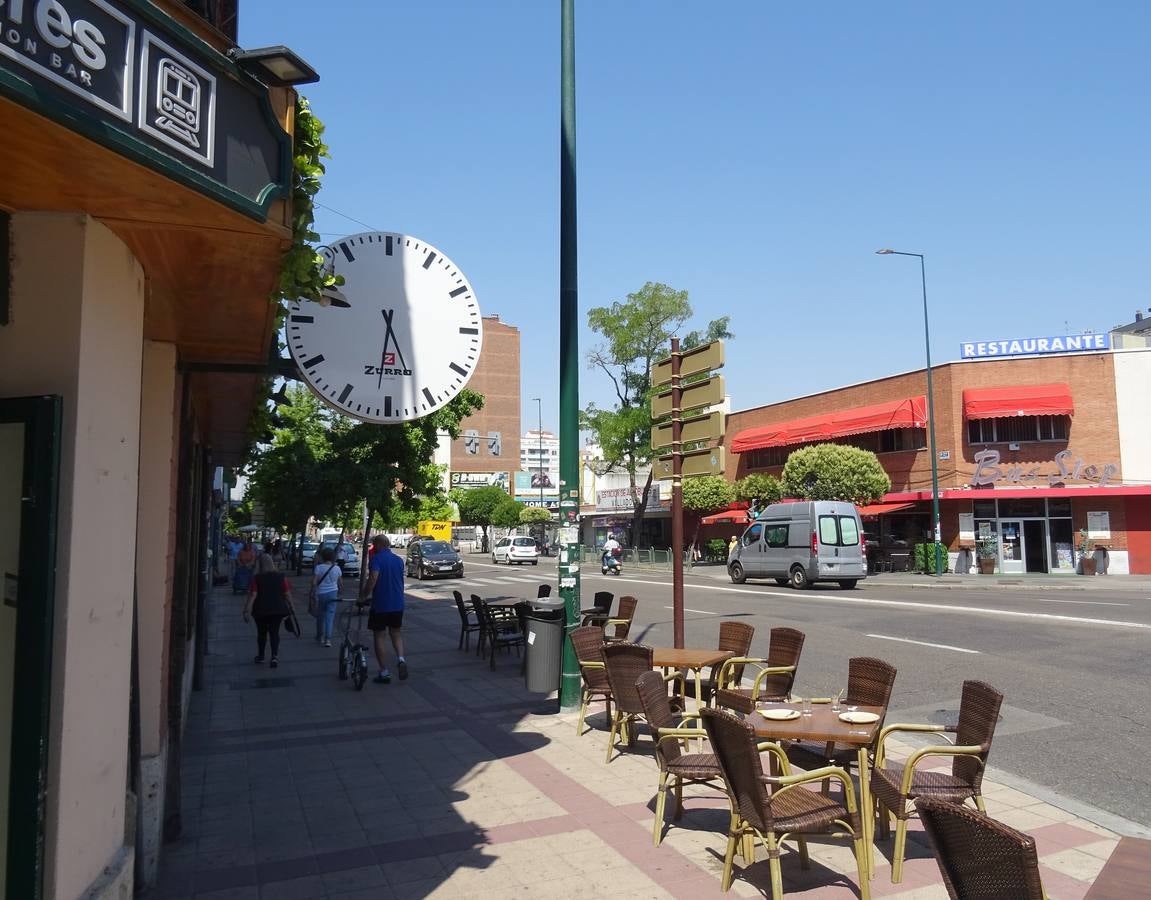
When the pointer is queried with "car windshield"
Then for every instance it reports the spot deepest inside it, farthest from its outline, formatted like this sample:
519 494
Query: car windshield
436 548
524 542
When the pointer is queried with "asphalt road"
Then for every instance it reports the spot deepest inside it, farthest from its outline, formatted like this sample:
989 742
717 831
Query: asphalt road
1074 666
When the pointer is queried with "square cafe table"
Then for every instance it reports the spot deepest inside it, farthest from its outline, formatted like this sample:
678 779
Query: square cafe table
824 726
696 660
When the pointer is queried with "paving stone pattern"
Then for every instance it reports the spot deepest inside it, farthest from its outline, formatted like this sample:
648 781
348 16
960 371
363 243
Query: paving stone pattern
459 783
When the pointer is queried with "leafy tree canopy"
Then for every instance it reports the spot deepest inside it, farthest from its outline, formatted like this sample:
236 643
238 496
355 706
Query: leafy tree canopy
507 513
707 493
529 515
759 489
835 472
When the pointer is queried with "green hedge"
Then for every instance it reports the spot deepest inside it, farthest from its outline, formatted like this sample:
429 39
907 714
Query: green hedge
924 558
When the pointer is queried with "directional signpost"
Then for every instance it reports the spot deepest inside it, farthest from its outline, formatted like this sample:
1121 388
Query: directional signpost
703 429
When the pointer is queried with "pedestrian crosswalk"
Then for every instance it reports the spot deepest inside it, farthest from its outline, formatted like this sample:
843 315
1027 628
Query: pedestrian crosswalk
462 583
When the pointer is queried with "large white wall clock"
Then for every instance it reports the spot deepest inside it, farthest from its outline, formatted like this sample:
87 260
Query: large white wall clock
403 338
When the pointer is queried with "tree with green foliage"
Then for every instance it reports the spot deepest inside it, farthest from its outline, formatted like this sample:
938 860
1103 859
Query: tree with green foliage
478 506
535 515
759 490
507 513
636 333
835 472
428 509
703 495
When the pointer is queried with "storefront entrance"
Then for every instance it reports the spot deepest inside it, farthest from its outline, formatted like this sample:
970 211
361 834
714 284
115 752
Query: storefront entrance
29 441
1034 535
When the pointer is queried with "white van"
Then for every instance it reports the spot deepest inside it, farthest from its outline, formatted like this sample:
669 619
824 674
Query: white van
802 543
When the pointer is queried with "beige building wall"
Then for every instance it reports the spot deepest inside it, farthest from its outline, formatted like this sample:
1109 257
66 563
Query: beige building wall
77 331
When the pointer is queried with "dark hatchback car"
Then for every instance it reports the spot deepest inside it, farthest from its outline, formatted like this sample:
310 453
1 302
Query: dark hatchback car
427 559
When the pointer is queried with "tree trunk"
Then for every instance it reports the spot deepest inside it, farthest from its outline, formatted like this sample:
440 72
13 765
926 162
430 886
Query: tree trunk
364 554
638 535
300 549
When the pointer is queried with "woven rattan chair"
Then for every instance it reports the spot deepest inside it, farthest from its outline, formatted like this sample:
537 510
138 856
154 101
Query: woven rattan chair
869 683
736 638
600 610
588 645
895 785
737 701
676 768
621 624
979 858
477 604
625 663
775 674
788 809
469 622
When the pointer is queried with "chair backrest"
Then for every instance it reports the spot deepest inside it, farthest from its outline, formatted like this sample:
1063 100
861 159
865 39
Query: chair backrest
588 645
625 663
733 743
602 601
478 609
979 857
523 610
869 681
741 703
652 691
978 716
544 590
736 638
784 650
626 611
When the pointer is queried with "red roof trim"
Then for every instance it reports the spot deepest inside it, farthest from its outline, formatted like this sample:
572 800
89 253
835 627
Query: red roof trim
1021 400
1085 493
908 413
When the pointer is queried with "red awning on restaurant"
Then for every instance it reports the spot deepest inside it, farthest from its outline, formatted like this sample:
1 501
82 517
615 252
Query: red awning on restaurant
735 514
878 509
908 413
1022 400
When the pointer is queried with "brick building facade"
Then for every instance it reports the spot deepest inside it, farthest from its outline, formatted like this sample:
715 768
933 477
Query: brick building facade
1031 452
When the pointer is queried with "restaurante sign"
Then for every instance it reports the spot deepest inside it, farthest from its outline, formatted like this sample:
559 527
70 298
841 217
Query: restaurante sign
988 471
1035 346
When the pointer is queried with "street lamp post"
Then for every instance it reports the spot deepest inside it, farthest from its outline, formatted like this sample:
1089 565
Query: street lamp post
930 411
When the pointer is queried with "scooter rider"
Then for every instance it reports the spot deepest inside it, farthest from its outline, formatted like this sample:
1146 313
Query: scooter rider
610 546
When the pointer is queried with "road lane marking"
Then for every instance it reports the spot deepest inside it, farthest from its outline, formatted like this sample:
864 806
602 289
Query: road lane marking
1094 602
702 612
809 596
888 637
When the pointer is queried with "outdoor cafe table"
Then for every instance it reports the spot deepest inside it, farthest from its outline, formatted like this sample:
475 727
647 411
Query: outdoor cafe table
504 602
1126 874
697 660
824 726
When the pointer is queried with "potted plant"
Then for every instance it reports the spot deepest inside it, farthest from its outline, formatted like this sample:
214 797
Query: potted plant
987 550
1087 563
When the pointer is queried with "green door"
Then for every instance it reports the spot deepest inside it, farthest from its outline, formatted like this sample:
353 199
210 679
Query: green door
29 466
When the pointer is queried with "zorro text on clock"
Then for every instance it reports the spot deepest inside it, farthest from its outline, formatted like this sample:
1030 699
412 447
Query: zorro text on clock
403 338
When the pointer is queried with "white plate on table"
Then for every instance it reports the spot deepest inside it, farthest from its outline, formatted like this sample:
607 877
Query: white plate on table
858 718
779 715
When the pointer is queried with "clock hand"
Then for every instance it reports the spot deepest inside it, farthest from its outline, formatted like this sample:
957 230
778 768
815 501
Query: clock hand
391 336
384 349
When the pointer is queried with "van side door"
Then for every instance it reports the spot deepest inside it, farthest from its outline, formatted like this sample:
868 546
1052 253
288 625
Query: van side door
751 550
776 555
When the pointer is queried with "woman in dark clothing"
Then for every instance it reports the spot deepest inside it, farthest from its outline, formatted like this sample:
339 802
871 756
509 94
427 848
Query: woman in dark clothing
269 602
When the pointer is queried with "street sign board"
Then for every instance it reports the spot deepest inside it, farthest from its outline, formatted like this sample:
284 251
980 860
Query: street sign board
693 430
708 461
699 393
703 358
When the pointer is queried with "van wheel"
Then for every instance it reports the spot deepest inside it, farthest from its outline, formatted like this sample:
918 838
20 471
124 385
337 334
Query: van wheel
782 582
848 584
799 578
738 576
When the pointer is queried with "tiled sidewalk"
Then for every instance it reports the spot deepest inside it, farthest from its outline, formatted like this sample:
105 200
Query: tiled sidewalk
458 783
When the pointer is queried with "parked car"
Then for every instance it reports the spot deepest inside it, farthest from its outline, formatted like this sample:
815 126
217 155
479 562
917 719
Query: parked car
308 553
802 543
351 563
517 550
428 559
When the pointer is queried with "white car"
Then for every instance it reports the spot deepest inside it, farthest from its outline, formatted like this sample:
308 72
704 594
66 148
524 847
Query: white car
517 550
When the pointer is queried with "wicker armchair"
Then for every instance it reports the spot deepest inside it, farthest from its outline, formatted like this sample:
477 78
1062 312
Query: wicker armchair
979 858
787 809
895 785
734 637
775 675
869 683
625 663
588 645
469 622
671 737
622 621
503 630
600 609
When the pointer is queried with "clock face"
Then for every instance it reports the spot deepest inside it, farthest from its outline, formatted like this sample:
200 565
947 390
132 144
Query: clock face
401 337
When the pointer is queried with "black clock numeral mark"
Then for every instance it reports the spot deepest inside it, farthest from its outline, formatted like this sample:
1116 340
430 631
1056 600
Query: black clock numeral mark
345 393
428 262
303 320
388 407
347 252
428 396
455 293
388 245
458 369
314 361
469 331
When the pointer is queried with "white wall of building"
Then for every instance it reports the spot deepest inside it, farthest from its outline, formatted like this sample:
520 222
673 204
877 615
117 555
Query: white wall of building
1132 386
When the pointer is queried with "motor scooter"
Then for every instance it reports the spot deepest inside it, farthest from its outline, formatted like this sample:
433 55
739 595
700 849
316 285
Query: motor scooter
610 563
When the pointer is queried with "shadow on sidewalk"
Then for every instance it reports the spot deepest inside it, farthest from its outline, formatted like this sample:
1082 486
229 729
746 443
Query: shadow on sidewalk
296 785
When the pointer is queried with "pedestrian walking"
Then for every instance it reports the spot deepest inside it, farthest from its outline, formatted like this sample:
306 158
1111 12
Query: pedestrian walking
269 603
385 591
731 545
327 583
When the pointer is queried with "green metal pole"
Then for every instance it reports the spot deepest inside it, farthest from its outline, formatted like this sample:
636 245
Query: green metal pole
569 577
931 424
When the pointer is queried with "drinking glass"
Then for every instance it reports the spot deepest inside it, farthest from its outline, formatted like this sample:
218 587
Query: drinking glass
807 706
835 701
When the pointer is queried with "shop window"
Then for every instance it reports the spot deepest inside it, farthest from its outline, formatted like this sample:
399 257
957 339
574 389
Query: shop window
1058 509
1018 429
897 439
1022 509
984 509
767 457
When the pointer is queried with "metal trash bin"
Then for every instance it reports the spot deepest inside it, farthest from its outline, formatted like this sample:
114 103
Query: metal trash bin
544 644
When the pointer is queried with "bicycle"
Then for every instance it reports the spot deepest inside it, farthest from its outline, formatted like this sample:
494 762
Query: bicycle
354 654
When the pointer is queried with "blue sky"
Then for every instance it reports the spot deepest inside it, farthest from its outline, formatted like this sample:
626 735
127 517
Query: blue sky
755 154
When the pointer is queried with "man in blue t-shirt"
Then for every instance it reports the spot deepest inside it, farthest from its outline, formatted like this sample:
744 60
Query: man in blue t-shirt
385 588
